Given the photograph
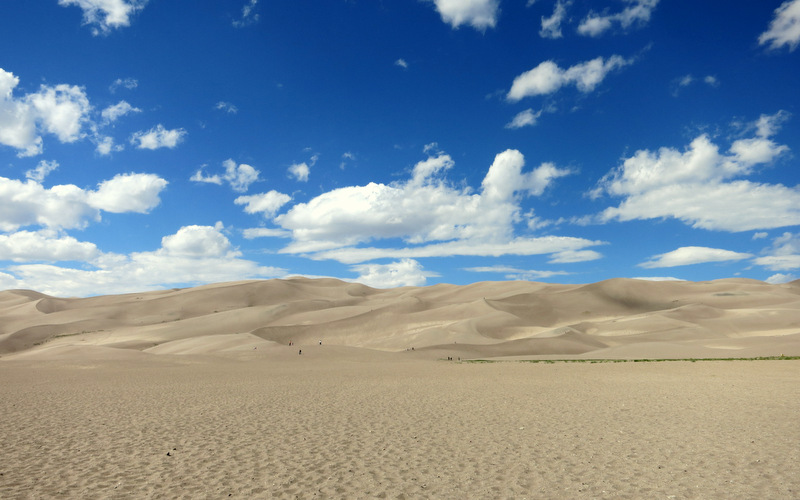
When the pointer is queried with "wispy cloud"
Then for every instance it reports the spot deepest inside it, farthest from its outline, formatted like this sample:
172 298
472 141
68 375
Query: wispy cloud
637 13
548 77
784 29
106 15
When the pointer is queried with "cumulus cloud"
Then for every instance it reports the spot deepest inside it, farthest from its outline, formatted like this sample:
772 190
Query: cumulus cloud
299 171
68 206
60 110
106 15
117 111
266 204
548 77
425 208
402 63
105 145
193 255
700 187
433 217
551 26
685 256
128 193
238 176
480 14
405 272
45 245
637 13
158 137
784 29
779 278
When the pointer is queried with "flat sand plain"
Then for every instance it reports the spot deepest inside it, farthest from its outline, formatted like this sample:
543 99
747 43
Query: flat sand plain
196 393
333 424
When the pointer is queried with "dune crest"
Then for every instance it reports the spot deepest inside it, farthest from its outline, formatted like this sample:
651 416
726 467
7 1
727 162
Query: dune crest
614 318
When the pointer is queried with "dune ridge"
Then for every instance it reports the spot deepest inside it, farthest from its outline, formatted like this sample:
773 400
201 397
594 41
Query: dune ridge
614 318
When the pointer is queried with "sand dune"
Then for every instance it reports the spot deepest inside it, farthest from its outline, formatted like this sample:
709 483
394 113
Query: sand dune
614 318
196 393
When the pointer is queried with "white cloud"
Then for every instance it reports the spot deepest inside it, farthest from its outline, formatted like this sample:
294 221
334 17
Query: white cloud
512 273
402 63
193 255
128 193
423 209
249 16
264 232
240 177
777 279
682 82
784 255
518 246
698 186
524 119
197 241
61 110
41 171
480 14
637 13
105 145
784 30
267 204
299 171
548 77
68 206
572 256
46 245
105 15
116 111
760 235
405 272
29 203
551 26
227 107
685 256
128 83
158 137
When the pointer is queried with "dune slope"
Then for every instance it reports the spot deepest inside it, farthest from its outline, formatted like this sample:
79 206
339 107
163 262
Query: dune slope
615 318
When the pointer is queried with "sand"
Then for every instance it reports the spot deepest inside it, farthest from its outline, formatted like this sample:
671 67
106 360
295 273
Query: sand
196 393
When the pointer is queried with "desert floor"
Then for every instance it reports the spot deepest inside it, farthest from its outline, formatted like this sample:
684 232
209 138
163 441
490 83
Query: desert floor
339 422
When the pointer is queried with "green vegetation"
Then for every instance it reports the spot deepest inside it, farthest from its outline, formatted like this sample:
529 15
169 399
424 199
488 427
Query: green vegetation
643 360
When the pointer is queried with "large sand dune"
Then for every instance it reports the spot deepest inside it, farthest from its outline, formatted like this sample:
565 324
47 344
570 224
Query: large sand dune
611 319
196 393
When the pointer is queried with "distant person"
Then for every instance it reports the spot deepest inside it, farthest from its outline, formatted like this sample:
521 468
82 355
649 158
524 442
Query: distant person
300 351
320 342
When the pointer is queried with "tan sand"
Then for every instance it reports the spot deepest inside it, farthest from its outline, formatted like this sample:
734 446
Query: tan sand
196 393
612 319
334 423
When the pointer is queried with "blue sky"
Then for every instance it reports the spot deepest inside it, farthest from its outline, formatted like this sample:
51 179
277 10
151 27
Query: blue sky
150 144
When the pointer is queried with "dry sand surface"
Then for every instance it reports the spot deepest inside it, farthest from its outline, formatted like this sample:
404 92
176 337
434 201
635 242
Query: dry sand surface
196 393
